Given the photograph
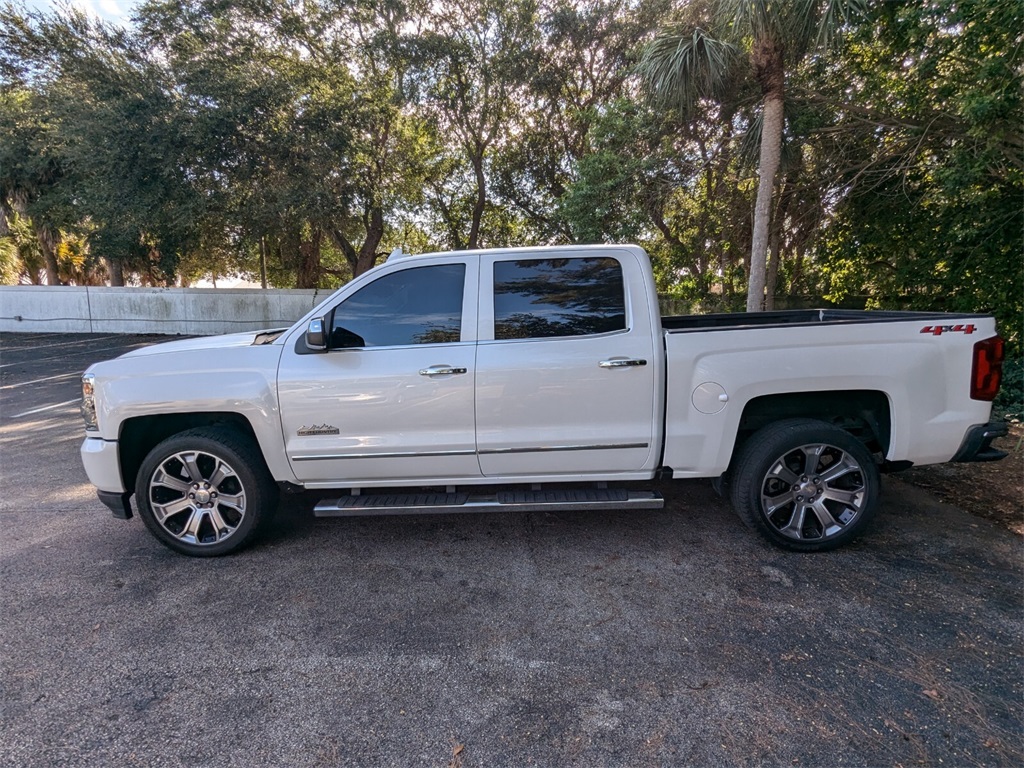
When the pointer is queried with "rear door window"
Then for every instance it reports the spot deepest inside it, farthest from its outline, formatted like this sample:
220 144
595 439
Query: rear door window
546 298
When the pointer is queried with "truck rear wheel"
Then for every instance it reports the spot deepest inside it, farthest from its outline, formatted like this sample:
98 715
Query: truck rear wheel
205 492
805 485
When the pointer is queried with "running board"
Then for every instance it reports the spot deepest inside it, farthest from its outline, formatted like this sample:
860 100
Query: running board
502 501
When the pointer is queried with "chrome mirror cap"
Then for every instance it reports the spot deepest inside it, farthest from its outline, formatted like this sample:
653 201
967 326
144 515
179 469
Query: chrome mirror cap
315 337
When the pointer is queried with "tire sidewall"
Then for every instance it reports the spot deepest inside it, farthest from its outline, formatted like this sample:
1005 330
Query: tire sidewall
765 447
228 446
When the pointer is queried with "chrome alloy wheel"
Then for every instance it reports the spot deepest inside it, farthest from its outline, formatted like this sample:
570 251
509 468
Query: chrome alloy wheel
197 498
813 492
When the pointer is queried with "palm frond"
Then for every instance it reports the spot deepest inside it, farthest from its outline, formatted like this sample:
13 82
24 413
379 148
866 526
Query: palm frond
760 19
836 15
680 68
800 24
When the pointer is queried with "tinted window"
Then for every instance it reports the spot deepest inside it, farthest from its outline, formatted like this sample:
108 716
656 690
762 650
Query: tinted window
422 305
538 298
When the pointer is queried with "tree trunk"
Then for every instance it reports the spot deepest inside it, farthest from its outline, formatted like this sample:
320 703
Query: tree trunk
289 247
770 73
798 267
473 242
768 166
48 244
116 271
308 273
775 239
343 244
775 254
5 213
263 262
367 256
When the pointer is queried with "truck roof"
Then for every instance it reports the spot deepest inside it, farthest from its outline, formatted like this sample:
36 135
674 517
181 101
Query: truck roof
531 249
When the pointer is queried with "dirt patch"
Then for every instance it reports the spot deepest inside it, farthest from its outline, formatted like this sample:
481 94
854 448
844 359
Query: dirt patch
993 490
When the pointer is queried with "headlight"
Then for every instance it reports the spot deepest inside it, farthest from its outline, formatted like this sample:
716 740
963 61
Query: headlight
89 402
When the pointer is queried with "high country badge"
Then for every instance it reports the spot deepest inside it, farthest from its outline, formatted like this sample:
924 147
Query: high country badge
318 429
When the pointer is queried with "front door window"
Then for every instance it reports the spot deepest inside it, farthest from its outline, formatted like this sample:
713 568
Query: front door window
422 305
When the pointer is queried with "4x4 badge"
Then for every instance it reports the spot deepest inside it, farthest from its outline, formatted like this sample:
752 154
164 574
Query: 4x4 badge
938 330
321 429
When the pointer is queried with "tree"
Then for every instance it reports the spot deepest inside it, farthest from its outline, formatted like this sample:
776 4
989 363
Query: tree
392 148
925 149
21 259
583 58
266 98
768 38
470 62
111 115
30 174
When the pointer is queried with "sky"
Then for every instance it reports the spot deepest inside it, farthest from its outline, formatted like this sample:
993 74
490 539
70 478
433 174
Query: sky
109 10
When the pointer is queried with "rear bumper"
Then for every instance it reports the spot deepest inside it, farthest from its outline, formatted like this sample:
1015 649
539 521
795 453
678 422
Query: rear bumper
977 444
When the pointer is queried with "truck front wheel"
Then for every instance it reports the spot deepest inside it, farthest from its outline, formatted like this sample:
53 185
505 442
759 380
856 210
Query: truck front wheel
205 492
805 485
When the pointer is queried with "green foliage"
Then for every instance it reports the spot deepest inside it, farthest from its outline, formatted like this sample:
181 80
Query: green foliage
323 134
605 202
21 259
933 219
1009 404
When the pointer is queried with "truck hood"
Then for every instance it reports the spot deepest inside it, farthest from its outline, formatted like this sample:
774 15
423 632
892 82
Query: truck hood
203 342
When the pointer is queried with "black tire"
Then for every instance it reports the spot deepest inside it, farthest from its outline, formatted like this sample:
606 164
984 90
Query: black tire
805 485
205 492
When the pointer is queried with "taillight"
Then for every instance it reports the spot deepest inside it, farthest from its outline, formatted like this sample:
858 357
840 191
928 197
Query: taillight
988 369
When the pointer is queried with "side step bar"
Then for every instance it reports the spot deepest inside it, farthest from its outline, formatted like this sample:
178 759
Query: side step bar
502 501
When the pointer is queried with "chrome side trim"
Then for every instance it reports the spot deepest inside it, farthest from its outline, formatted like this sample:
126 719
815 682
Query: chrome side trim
546 449
405 455
410 455
535 339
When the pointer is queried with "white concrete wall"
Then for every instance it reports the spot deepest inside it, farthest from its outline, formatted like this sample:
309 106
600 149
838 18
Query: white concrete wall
191 311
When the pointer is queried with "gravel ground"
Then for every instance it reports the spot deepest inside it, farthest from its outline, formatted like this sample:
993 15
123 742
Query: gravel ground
992 490
617 639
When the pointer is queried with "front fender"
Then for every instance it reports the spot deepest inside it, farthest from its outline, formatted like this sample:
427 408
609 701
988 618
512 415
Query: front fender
239 380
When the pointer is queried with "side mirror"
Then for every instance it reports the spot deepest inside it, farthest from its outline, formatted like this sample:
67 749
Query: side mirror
343 338
315 337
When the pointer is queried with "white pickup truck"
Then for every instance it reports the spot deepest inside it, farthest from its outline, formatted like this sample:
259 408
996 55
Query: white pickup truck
535 379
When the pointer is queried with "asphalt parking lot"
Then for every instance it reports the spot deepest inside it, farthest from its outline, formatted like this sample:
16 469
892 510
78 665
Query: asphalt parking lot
664 638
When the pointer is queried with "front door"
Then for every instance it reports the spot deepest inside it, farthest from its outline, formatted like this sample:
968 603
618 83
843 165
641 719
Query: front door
392 397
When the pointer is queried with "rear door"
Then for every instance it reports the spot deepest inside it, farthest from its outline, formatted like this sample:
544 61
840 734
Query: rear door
566 365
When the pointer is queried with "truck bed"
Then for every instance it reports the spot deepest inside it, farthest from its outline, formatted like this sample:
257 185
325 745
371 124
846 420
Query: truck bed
803 317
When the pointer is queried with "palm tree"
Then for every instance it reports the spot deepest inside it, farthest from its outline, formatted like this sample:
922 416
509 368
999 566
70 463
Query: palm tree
761 38
21 258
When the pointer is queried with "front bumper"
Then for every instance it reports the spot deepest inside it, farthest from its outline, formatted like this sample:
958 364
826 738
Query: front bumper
977 444
102 464
118 503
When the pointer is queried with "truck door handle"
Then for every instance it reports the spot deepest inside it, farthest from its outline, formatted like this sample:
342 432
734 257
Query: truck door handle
622 363
441 370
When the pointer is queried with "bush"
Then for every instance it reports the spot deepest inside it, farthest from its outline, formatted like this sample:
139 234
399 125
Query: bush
1009 404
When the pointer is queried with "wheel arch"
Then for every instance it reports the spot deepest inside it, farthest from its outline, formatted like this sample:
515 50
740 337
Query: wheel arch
140 434
865 414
